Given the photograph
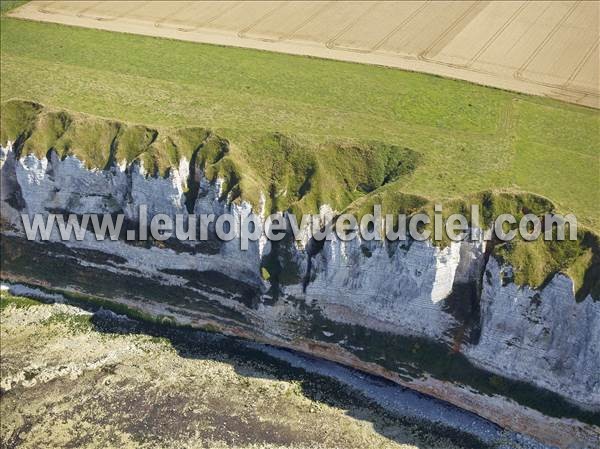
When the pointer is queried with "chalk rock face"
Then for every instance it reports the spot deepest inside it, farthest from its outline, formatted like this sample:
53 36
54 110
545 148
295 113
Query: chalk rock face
402 287
67 186
544 336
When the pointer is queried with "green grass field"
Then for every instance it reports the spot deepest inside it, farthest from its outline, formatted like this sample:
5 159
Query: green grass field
7 5
472 138
321 131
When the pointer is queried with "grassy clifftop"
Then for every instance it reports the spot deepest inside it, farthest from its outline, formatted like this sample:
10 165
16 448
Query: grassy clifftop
470 138
297 174
293 172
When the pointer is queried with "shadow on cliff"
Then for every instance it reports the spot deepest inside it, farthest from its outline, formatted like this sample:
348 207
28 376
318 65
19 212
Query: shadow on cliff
202 345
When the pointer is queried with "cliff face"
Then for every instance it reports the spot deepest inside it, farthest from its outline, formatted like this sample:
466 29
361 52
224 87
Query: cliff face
448 321
544 337
400 288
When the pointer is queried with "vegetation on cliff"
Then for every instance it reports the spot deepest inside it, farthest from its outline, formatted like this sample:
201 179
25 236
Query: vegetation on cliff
470 138
297 174
307 132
